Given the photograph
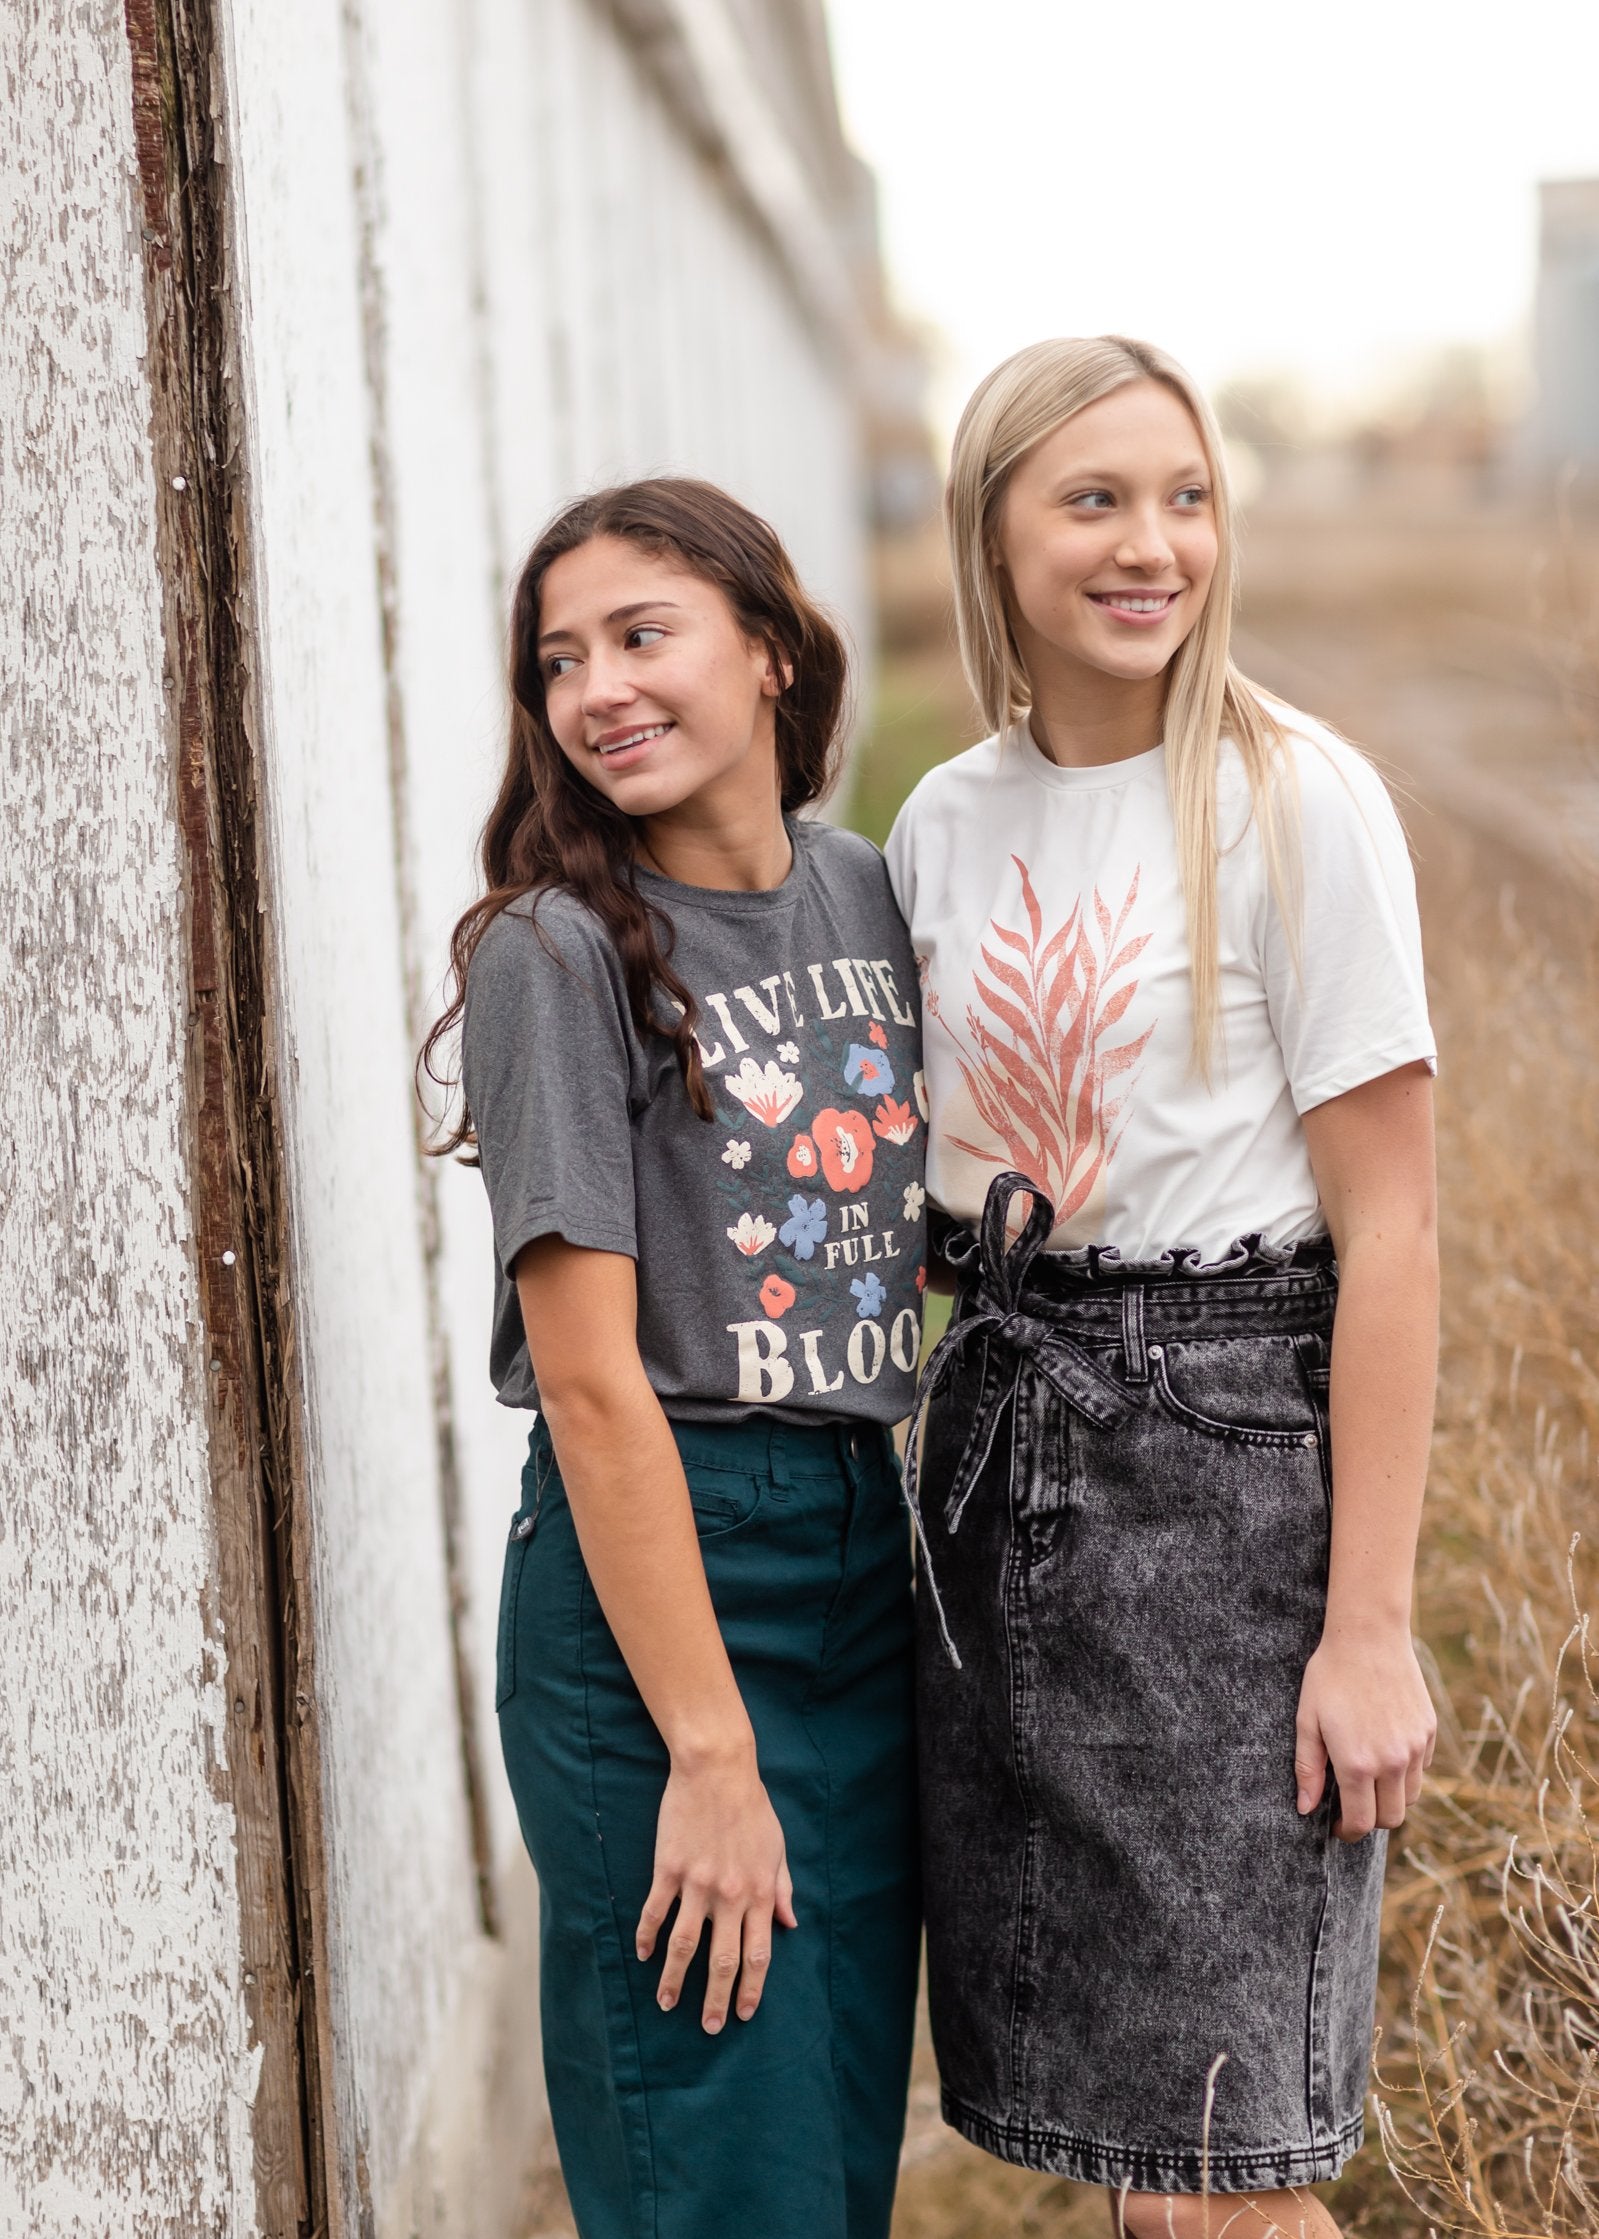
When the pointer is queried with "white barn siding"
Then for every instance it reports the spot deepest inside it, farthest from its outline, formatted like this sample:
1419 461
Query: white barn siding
126 2070
399 1897
478 258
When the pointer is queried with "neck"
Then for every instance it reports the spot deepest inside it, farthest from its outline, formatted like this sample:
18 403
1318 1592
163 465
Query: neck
1091 718
740 848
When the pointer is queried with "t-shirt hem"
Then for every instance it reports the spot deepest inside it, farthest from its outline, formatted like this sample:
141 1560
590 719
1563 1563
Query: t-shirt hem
549 1221
1356 1072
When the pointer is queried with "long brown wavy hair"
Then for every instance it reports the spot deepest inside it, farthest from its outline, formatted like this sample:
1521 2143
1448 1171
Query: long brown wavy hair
550 828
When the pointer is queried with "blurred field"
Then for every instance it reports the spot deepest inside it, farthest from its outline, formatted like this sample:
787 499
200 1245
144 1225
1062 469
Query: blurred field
1463 650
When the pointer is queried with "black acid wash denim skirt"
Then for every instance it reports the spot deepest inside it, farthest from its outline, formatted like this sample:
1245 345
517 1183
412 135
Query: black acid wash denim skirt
1145 1968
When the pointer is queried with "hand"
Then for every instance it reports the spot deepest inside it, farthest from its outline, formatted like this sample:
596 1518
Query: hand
719 1855
1364 1705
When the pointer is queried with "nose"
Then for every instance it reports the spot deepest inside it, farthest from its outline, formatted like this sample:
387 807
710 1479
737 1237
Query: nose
605 683
1145 545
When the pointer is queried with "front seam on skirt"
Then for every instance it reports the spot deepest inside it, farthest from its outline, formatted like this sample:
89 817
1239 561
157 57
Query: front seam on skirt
1096 2161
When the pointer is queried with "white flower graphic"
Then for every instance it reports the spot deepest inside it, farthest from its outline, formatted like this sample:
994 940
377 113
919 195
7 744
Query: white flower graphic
766 1092
752 1234
788 1052
915 1198
919 1091
737 1154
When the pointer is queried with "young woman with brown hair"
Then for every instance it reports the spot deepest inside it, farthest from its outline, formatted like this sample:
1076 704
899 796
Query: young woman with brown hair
690 1063
1176 1439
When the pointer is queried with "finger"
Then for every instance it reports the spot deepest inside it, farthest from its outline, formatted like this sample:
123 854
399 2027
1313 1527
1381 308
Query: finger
1310 1766
726 1939
1357 1807
757 1958
1414 1779
681 1945
1432 1743
659 1902
1391 1800
786 1915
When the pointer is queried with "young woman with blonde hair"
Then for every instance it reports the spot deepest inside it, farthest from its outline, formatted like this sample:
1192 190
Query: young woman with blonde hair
1175 1441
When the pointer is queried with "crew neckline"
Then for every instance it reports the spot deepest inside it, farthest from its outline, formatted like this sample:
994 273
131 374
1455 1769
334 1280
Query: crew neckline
1092 777
739 901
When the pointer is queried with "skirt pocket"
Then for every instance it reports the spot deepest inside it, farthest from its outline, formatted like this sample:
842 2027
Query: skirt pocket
1250 1388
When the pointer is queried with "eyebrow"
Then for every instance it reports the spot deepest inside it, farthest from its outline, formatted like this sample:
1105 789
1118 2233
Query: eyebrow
620 614
1194 468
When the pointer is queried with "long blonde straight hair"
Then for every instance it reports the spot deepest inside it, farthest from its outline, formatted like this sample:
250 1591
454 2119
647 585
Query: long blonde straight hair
1016 406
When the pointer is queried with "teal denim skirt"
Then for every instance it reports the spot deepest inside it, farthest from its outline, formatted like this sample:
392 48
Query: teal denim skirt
787 2126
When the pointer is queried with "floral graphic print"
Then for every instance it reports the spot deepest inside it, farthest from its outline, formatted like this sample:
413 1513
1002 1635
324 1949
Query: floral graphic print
737 1154
1041 1065
752 1234
867 1070
802 1159
805 1227
896 1123
844 1144
766 1092
777 1296
869 1291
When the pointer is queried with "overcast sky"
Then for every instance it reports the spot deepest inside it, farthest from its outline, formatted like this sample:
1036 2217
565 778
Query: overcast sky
1256 184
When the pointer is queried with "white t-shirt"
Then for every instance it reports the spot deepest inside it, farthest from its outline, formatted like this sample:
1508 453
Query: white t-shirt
1046 911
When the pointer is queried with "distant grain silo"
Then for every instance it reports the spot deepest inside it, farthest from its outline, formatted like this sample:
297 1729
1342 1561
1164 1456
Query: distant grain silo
312 314
1565 418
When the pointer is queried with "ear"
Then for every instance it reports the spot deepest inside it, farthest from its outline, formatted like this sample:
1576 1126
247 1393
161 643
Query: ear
777 679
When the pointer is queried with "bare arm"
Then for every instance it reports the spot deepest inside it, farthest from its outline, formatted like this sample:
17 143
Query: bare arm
719 1848
1364 1703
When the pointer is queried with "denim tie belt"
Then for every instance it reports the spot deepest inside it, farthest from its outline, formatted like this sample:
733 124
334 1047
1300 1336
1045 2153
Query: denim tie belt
995 1313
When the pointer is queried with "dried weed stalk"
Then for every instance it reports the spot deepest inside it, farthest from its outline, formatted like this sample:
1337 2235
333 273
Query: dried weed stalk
1488 2092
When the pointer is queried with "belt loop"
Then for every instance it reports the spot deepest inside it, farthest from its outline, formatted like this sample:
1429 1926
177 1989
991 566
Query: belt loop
777 1453
1133 1334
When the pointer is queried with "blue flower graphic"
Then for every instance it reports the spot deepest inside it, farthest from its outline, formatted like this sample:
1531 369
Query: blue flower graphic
806 1227
871 1294
868 1070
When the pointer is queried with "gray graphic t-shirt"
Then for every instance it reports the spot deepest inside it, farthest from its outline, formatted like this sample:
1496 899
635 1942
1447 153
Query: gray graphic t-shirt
780 1251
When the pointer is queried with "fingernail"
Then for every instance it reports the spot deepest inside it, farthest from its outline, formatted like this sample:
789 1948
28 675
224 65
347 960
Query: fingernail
666 2001
1304 1801
712 2026
640 1952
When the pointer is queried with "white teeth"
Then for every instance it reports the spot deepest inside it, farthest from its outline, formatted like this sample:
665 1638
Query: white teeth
636 738
1137 606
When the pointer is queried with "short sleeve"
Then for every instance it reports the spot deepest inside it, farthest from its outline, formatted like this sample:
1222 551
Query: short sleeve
897 854
546 1063
1355 1005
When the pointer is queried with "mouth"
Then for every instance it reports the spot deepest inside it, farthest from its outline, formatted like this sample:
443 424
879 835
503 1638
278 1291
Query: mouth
1139 607
617 749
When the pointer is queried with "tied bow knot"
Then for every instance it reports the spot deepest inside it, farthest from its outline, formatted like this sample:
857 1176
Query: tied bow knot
994 1297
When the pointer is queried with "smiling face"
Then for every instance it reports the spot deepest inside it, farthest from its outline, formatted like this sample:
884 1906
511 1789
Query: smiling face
652 690
1108 542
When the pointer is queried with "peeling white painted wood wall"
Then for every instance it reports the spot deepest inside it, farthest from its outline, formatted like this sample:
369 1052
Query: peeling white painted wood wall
484 268
126 2074
483 260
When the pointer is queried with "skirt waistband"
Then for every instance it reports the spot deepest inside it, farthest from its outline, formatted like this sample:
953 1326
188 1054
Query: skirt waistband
1055 1311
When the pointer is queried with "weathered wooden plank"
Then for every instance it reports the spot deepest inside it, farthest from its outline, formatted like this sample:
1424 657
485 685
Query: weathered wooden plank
127 2072
400 1885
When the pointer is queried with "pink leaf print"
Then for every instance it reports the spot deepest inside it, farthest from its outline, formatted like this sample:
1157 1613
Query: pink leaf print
1039 1065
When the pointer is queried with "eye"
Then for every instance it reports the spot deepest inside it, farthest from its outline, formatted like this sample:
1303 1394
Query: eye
1091 501
557 664
1192 498
644 634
